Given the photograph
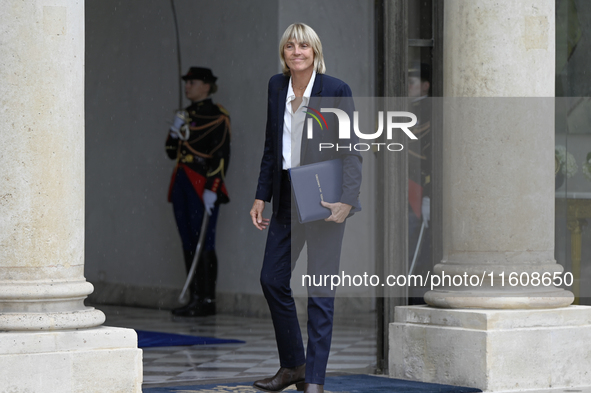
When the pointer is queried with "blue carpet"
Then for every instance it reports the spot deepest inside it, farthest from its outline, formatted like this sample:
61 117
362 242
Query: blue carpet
156 339
338 384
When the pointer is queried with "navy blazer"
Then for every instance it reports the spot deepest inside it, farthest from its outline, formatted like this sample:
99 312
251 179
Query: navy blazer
327 92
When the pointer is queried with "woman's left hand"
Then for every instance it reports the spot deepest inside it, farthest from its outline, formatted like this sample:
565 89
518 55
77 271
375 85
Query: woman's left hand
339 211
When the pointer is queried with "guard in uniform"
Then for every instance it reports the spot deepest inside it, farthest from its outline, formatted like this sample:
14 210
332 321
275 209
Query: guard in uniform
199 141
419 175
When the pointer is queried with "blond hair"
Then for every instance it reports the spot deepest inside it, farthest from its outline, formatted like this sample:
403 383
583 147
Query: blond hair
301 32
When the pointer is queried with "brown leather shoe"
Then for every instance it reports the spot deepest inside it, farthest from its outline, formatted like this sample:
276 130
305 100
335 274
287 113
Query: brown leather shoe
313 388
285 377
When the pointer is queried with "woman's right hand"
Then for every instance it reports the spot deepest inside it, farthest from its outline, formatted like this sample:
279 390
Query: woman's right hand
256 213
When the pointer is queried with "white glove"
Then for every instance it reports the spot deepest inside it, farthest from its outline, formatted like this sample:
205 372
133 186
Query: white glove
209 198
174 133
179 120
179 128
426 210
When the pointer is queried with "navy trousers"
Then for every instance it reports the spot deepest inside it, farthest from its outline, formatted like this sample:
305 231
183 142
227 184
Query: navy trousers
188 213
285 241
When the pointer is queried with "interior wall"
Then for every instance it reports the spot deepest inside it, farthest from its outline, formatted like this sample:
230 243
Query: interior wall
133 251
132 87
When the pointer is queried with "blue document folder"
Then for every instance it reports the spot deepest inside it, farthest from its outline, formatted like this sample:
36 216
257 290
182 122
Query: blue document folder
313 183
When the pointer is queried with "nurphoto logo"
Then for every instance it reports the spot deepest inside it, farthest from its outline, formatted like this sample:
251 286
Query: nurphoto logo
345 129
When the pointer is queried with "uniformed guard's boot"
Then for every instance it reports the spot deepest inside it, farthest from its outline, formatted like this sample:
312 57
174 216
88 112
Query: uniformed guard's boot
206 282
202 301
207 273
196 308
182 311
192 287
188 259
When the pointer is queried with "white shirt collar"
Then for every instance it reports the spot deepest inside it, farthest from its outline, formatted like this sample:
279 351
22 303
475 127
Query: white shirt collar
307 92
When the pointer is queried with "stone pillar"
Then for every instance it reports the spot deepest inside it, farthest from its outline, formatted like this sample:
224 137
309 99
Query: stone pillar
498 215
42 284
498 201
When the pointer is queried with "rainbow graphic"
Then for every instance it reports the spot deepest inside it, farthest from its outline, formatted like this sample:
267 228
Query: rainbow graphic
316 117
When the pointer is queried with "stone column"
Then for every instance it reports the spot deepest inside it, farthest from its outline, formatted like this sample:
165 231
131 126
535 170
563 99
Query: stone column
42 284
498 214
498 202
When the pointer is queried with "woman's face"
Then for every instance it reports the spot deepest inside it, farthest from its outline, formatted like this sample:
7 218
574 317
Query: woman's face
196 90
299 56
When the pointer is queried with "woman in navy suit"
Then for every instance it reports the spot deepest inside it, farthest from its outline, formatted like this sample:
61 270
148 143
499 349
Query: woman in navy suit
301 86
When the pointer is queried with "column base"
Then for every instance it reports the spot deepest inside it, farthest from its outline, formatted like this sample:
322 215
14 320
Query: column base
493 350
46 305
102 359
488 298
78 319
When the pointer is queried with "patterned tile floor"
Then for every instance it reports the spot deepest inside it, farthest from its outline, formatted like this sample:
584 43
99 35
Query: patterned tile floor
353 346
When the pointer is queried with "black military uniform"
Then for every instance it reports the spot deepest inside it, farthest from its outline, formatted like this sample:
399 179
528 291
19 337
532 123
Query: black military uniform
419 184
202 153
420 154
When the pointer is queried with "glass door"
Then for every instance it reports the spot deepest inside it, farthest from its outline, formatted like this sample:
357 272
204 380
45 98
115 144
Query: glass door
409 66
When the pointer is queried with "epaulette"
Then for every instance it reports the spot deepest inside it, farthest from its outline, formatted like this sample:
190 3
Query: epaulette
223 110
